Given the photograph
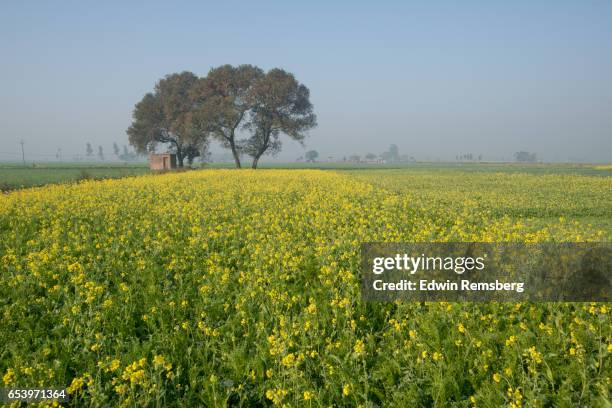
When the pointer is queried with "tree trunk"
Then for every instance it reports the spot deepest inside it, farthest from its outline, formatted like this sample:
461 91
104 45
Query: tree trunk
262 149
235 154
255 161
236 158
179 154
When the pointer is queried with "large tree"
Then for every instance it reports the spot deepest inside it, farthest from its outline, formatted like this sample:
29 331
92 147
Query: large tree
166 117
222 100
280 105
525 157
311 156
392 155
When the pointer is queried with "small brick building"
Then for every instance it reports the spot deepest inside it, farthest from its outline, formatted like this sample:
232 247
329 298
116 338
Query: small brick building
164 161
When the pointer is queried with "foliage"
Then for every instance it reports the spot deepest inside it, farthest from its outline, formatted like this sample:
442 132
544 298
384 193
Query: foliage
185 110
311 156
165 116
281 105
246 291
222 100
392 155
20 177
524 157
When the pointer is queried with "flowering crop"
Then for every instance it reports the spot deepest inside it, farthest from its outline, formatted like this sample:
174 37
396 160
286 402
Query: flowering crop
226 287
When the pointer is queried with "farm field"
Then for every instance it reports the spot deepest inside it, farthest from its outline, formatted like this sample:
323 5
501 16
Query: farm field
13 176
224 287
436 166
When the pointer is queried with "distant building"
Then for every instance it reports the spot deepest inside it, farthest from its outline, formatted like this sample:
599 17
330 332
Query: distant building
164 161
377 160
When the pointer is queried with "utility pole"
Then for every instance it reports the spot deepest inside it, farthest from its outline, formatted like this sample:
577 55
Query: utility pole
23 152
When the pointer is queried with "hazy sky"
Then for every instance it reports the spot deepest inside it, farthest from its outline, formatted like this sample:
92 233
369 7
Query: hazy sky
436 78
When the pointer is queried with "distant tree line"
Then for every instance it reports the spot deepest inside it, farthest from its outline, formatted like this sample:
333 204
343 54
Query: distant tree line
185 112
392 155
125 155
468 157
522 156
525 157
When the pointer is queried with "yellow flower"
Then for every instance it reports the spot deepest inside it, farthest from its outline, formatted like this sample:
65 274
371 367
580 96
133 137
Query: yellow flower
288 360
121 388
281 243
159 360
76 384
114 365
534 354
359 347
9 376
276 396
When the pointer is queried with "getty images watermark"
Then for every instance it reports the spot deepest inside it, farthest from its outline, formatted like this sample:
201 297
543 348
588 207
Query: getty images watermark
453 271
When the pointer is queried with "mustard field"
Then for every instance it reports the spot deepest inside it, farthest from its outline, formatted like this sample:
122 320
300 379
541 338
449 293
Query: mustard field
242 288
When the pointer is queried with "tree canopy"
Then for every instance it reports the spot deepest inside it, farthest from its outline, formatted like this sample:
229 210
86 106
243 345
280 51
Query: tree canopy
166 116
311 156
525 157
184 111
222 100
281 105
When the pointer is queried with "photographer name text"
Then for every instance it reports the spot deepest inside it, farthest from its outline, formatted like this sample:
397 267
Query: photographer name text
422 263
